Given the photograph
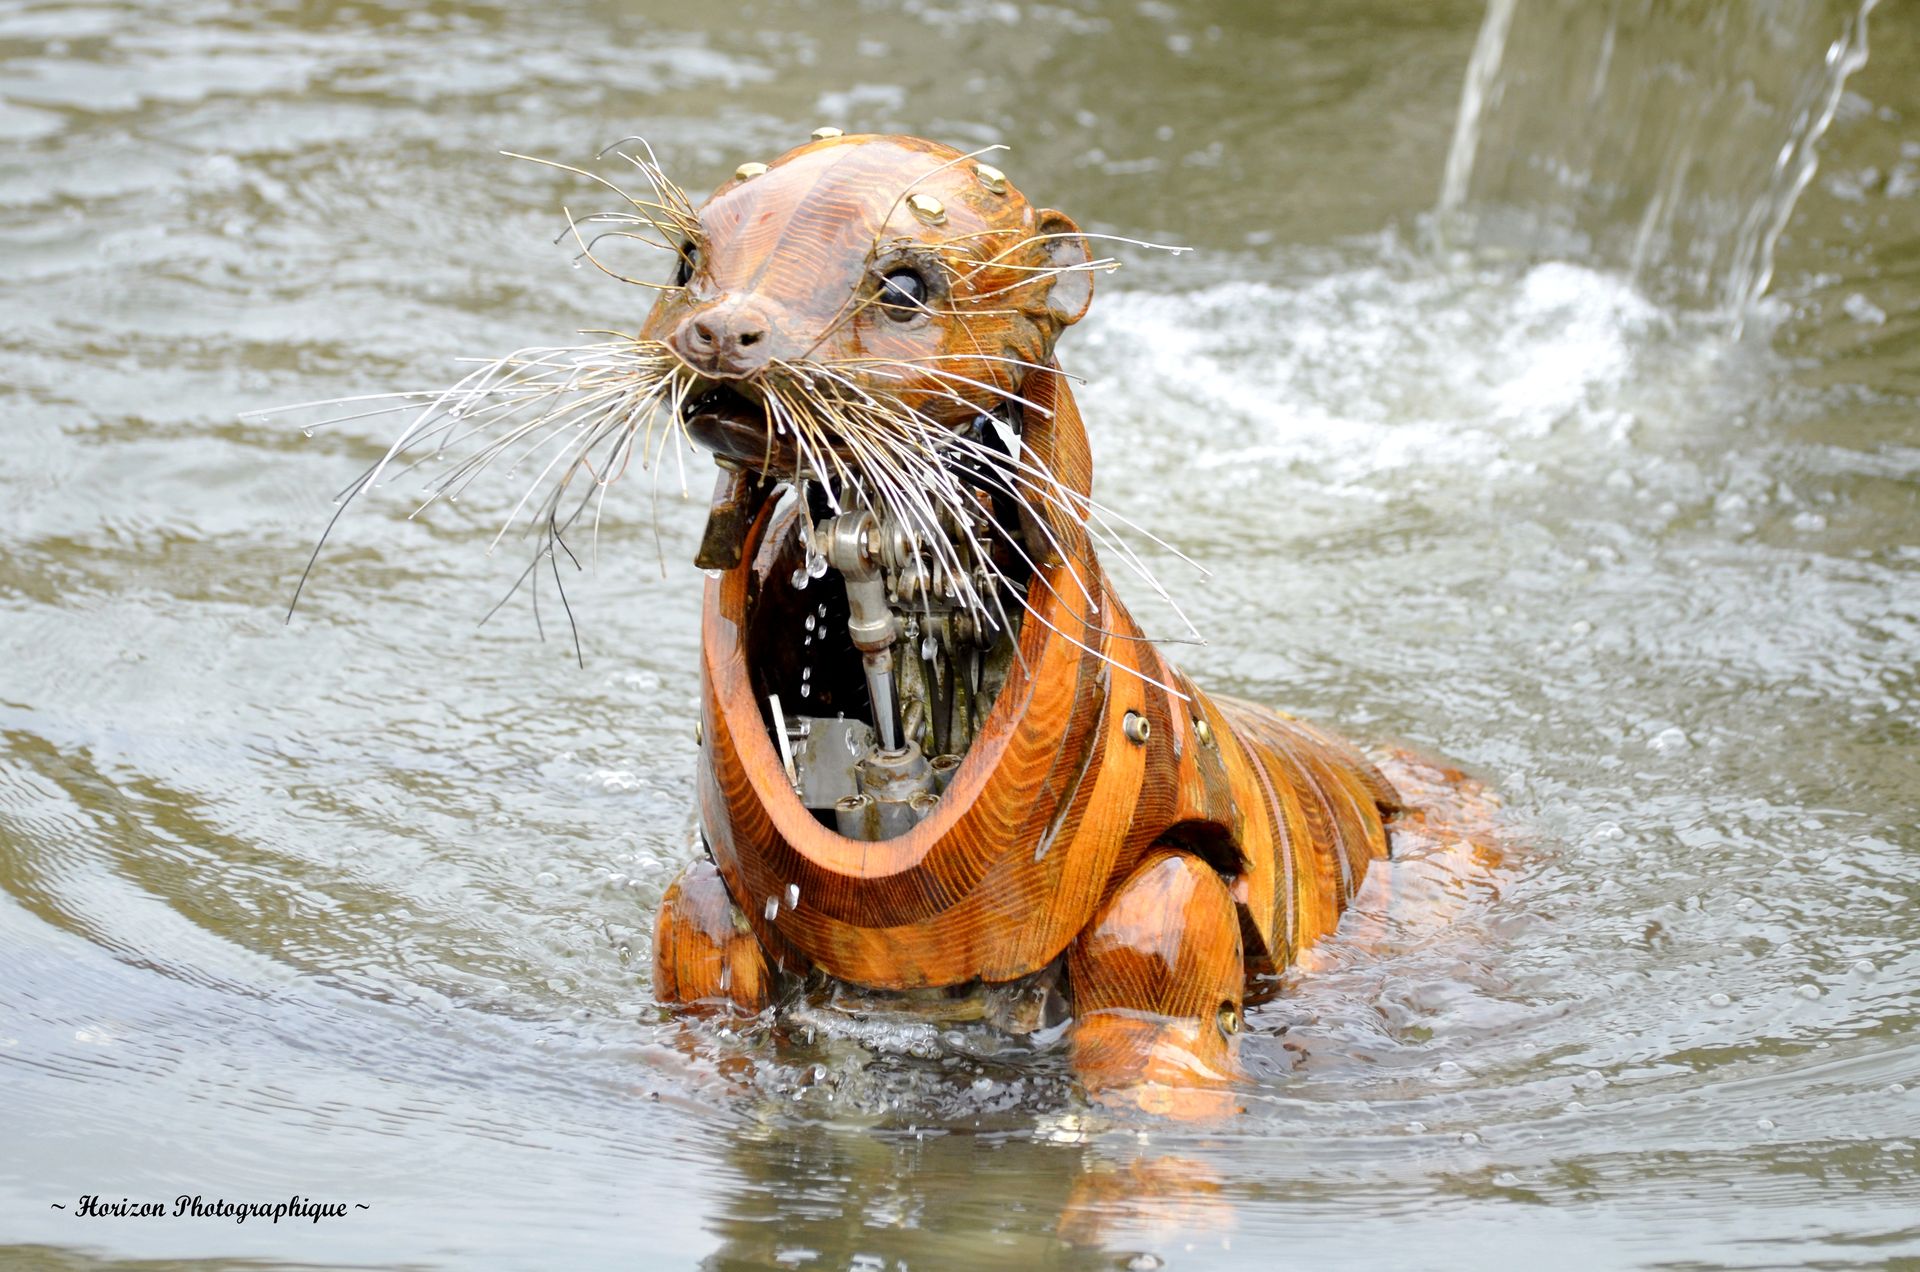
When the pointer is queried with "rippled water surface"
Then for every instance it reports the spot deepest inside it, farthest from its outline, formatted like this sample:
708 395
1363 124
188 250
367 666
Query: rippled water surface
358 908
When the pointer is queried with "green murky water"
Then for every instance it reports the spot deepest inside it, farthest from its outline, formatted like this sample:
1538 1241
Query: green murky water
359 908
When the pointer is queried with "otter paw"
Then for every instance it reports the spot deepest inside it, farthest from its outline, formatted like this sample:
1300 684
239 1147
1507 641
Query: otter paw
703 949
1158 979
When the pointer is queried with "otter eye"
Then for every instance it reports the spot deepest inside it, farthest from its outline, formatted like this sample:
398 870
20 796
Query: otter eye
683 267
903 294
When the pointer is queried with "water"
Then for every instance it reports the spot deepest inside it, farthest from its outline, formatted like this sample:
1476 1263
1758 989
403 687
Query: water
1669 141
359 908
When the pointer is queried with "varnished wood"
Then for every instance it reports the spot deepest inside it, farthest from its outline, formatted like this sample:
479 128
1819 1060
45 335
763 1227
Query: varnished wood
1158 978
1228 841
703 950
1293 816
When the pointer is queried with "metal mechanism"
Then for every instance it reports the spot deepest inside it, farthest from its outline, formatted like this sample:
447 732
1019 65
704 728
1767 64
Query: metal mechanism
932 669
846 543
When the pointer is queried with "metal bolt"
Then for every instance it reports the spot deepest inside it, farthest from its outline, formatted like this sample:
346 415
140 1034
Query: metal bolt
822 134
928 208
748 171
991 177
1229 1019
1137 728
1203 730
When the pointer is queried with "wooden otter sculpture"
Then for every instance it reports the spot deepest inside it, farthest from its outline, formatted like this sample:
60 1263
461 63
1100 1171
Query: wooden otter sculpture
935 749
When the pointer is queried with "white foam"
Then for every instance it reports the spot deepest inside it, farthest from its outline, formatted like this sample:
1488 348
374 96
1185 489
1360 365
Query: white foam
1361 373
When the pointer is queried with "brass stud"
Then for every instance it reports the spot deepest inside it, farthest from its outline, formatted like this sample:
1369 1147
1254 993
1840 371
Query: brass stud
991 177
1229 1019
1137 728
928 208
827 132
748 171
1203 730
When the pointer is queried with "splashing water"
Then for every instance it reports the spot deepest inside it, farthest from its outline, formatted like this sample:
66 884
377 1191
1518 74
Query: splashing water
1668 141
362 908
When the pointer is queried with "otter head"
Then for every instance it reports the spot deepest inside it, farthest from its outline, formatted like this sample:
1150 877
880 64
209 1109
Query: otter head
861 284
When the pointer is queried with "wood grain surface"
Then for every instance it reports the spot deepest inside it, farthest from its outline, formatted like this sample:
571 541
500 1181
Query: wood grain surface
1212 845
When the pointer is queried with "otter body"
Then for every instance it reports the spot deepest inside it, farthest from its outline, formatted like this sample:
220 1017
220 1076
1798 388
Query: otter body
1105 818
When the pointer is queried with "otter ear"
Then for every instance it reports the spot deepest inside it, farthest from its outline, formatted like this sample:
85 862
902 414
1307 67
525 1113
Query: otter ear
1063 247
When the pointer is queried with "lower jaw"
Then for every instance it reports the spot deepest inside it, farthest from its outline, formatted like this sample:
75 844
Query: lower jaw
742 438
736 430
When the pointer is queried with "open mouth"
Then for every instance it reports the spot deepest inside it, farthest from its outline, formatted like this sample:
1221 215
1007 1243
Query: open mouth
729 418
728 422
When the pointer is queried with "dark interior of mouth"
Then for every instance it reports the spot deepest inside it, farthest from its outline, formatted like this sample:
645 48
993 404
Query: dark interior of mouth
728 422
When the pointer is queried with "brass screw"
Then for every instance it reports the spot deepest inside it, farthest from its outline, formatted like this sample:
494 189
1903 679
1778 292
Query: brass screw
991 177
822 134
1229 1019
1203 730
928 208
748 171
1137 728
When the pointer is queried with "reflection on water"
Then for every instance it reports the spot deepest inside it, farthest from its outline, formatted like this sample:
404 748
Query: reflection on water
359 907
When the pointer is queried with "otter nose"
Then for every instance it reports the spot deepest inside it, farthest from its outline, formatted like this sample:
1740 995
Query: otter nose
731 338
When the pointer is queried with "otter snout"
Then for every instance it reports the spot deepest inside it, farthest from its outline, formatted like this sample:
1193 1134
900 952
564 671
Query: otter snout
728 339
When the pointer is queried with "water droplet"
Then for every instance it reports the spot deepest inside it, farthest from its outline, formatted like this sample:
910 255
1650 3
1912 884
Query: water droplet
576 264
1719 1000
806 673
1417 1128
771 910
800 578
1865 967
929 647
1469 1138
1765 1123
1896 1088
1608 831
793 896
1144 1262
546 878
810 622
816 565
1507 1179
1808 992
806 690
823 609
